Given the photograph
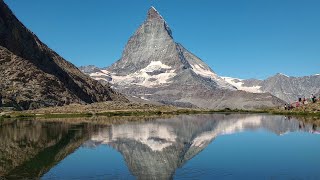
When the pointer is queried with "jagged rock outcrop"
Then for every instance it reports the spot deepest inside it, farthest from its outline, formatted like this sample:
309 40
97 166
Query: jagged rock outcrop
89 69
154 67
282 86
32 75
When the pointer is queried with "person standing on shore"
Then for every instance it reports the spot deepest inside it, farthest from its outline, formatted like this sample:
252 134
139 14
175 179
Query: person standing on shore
312 98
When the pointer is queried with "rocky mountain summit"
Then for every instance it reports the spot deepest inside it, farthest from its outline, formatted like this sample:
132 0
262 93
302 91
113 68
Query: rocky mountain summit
32 75
282 86
154 67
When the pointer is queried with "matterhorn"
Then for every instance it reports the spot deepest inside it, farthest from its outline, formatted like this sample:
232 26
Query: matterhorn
155 68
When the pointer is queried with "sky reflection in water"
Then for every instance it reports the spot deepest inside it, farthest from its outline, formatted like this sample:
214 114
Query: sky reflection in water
183 147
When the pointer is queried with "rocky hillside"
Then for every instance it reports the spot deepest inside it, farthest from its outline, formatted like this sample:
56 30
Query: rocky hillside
32 75
310 107
282 86
154 67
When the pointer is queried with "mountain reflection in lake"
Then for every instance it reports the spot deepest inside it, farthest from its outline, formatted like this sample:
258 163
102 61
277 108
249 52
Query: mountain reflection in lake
183 147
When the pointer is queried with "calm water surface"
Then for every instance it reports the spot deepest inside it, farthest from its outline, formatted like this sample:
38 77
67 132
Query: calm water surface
183 147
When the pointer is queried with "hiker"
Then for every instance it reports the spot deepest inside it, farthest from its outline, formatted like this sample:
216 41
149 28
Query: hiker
291 106
313 98
285 106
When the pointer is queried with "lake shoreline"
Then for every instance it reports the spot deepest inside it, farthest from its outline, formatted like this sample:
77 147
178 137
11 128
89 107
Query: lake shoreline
148 113
119 109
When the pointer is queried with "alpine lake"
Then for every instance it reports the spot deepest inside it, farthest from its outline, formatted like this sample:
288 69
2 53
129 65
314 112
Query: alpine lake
215 146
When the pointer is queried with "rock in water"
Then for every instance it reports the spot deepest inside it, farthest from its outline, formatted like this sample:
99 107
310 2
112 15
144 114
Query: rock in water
33 76
154 67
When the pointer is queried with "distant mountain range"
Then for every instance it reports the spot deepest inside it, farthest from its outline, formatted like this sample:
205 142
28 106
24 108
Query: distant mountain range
32 75
154 67
289 89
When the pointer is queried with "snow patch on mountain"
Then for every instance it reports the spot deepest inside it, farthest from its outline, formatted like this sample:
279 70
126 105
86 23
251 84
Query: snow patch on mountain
238 83
281 74
155 74
100 78
207 73
198 69
98 74
144 98
154 66
105 71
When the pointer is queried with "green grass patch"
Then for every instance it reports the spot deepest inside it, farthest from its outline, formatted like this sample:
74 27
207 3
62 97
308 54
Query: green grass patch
48 116
295 113
5 116
139 113
25 116
130 113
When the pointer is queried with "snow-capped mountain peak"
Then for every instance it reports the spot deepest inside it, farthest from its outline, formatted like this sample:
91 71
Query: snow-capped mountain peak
155 67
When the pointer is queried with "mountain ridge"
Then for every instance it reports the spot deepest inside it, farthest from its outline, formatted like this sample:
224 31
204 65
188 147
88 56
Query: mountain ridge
287 88
33 75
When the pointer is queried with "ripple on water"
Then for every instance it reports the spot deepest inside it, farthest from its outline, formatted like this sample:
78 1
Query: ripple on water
195 173
117 175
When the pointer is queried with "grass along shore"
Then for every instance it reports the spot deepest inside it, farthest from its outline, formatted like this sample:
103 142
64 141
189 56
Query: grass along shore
117 109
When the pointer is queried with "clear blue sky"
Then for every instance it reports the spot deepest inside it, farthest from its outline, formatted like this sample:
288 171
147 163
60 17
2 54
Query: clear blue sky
237 38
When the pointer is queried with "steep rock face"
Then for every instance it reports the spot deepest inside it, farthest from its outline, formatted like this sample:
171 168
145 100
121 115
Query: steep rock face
152 57
282 86
154 67
32 75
